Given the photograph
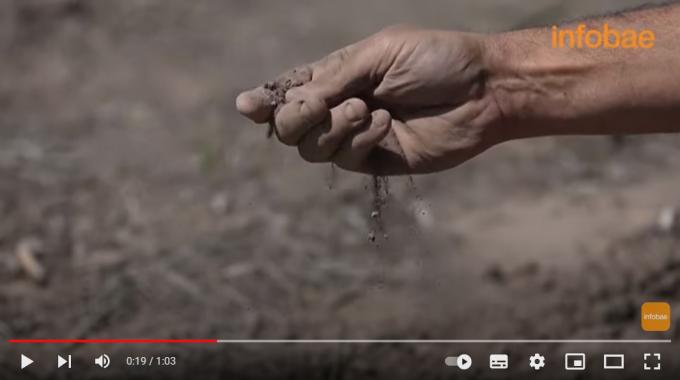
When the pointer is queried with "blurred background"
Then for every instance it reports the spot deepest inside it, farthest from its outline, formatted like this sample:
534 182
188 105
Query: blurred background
136 202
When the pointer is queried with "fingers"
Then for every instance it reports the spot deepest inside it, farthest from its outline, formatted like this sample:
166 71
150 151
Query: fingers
256 104
354 152
260 103
332 80
344 135
321 143
297 117
321 113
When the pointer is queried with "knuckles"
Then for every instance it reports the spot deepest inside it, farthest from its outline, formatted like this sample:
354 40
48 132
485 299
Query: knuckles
297 117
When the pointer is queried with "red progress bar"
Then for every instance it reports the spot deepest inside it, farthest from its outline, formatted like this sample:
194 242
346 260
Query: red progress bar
117 341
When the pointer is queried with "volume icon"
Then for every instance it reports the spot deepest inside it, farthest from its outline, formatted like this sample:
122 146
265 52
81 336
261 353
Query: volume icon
103 361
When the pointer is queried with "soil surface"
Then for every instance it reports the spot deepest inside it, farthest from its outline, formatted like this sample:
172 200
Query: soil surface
136 202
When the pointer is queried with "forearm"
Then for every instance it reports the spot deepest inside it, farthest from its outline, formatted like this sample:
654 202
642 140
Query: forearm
545 90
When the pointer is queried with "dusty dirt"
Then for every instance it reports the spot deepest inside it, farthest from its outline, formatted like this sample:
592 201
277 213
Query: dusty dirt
277 89
380 192
136 202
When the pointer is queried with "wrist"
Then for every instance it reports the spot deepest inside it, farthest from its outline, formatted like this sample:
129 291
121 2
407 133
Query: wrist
533 84
542 90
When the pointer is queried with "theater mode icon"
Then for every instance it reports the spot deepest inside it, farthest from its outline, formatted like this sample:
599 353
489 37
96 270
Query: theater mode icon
614 361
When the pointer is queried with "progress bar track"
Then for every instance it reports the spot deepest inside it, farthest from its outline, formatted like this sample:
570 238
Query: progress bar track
439 341
337 341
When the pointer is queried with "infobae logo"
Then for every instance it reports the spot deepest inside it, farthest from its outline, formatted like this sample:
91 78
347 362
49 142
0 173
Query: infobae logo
656 316
606 38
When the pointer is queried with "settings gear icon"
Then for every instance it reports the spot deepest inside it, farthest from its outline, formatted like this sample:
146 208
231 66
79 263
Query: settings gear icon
537 361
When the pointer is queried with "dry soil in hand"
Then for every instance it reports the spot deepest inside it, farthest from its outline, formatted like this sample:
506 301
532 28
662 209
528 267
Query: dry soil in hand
276 90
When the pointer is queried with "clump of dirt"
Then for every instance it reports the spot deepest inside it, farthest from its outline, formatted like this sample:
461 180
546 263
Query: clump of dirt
276 90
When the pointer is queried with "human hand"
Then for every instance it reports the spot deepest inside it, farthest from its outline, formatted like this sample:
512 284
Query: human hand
403 101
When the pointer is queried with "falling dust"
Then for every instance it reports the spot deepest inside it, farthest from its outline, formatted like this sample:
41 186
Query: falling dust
380 188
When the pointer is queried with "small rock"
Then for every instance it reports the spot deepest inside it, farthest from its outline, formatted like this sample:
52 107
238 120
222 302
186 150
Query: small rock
669 220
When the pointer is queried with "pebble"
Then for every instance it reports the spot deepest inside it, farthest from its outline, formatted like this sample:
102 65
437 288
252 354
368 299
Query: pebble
669 219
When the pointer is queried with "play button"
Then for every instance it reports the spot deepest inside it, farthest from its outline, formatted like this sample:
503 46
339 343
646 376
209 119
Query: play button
25 361
464 362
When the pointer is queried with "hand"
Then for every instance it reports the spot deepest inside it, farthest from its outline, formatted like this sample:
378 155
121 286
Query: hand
400 102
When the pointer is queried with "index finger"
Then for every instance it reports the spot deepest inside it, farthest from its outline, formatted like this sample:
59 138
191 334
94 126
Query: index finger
261 103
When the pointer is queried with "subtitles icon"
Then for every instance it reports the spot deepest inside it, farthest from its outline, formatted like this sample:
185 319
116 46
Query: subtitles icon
613 361
575 362
498 361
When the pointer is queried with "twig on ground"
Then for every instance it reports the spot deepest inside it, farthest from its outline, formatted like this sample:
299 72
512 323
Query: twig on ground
26 255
